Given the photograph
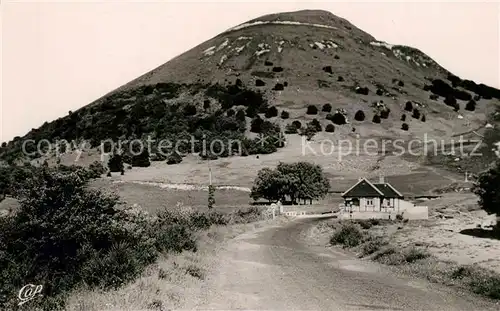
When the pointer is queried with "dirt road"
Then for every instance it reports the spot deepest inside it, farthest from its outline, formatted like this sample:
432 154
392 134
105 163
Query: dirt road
272 269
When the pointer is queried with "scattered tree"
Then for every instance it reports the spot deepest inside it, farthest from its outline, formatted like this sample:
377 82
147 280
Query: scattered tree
359 116
285 115
311 109
295 181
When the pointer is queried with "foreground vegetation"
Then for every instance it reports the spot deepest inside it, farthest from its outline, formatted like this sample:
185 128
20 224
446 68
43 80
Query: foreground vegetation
414 260
66 236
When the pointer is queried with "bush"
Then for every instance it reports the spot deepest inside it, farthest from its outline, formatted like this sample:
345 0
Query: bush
141 159
297 124
408 106
362 90
230 112
328 69
403 117
240 115
290 129
373 246
311 109
416 114
285 115
384 114
330 128
206 104
414 254
99 245
97 169
115 163
271 112
277 69
326 108
259 82
174 158
316 125
348 236
471 105
338 118
278 87
190 110
340 79
423 118
359 116
376 119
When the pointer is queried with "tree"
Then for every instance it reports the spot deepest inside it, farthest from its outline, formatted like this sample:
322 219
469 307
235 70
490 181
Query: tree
359 116
115 163
311 109
403 117
408 106
271 112
174 158
326 108
405 127
338 118
297 124
296 181
330 128
376 119
285 114
471 105
486 188
384 114
416 114
141 159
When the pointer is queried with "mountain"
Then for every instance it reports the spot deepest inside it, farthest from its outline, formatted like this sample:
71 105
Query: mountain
284 62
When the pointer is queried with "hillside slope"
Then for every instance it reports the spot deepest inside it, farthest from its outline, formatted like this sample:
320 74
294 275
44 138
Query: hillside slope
286 61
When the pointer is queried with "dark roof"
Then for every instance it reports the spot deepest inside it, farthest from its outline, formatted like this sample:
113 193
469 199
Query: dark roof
388 191
363 189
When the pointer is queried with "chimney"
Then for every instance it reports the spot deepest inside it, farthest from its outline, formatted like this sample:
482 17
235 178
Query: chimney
381 179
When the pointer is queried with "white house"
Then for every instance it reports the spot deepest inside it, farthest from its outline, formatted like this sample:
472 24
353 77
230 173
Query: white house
378 200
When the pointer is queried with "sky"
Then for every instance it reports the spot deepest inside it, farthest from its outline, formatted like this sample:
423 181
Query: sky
59 56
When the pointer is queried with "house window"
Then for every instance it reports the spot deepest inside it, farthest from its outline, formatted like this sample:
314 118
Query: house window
369 202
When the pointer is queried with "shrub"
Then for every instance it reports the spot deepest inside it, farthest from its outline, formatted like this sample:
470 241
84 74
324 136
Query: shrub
330 128
99 245
290 129
259 82
413 254
256 125
230 113
316 125
190 110
206 104
348 236
423 118
373 246
380 92
311 109
403 117
450 100
362 90
471 105
141 159
240 115
376 119
408 106
309 131
271 112
326 108
297 124
268 63
416 114
115 163
278 87
359 116
384 114
328 69
433 96
338 118
285 115
97 169
174 158
340 79
401 83
277 69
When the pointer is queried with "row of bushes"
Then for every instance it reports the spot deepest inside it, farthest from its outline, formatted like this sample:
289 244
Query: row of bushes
66 235
473 278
